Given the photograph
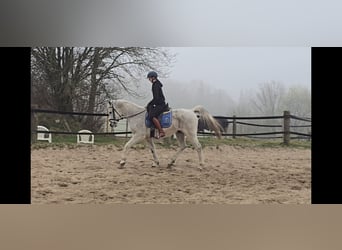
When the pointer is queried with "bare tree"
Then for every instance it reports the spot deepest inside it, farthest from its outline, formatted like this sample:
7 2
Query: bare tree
269 98
298 101
268 102
79 79
53 67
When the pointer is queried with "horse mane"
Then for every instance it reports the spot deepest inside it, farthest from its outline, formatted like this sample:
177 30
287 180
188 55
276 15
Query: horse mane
121 102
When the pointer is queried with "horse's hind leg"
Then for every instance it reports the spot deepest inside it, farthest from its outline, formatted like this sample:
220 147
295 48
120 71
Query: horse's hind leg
153 150
194 141
181 141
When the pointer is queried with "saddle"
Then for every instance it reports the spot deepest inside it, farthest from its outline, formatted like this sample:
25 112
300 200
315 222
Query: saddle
165 120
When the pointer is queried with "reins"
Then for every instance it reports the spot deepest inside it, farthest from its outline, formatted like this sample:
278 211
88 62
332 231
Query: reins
121 116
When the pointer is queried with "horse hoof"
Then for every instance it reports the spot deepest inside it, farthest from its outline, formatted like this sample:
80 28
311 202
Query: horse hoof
122 164
154 164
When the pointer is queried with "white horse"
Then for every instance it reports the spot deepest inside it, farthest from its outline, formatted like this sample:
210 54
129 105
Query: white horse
184 124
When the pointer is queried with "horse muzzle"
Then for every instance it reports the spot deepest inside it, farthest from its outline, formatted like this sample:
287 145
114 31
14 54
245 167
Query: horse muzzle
113 123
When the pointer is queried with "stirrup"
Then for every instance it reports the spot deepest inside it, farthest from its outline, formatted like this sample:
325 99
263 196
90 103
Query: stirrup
157 134
161 135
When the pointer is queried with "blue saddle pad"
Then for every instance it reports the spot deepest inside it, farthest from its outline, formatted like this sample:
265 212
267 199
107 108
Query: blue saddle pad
165 120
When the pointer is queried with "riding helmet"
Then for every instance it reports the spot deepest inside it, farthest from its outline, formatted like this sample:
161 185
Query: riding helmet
152 74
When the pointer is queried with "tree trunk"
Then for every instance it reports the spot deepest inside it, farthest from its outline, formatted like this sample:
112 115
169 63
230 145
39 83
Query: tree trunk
93 89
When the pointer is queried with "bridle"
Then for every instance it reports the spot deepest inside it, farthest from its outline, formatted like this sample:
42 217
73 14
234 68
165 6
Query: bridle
113 121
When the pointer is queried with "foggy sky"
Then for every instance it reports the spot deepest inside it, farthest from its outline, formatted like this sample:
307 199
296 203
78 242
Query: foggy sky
236 69
216 76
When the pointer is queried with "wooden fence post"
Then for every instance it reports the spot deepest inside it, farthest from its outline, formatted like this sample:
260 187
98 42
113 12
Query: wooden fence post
234 126
34 124
287 120
107 123
126 128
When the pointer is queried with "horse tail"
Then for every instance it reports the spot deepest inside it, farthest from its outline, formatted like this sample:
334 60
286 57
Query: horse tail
208 120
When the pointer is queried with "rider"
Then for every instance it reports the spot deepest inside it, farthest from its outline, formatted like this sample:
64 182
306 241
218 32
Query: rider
157 105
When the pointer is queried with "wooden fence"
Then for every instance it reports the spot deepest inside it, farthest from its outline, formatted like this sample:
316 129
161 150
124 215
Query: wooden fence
286 129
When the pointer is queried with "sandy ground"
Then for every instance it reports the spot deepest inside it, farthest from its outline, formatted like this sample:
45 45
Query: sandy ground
232 175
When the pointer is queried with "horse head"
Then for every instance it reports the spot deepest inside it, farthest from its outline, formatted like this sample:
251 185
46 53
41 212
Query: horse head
113 121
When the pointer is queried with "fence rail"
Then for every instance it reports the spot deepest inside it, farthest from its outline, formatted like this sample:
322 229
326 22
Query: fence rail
66 112
83 133
259 125
286 125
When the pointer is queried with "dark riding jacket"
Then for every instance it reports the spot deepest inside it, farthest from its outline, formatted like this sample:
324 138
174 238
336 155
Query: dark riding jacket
158 96
157 105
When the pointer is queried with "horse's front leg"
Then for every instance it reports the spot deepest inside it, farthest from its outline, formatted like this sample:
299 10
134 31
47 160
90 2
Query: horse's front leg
155 162
135 139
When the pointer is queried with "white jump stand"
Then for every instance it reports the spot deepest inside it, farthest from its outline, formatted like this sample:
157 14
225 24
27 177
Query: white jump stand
43 136
85 138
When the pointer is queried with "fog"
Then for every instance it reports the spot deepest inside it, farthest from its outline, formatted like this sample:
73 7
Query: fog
217 77
187 95
236 69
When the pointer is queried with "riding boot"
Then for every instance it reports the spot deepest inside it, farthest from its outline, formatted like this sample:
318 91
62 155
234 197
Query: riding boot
158 126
